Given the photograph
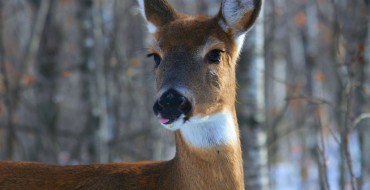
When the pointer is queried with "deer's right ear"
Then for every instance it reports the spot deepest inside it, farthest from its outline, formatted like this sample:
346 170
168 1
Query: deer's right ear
157 12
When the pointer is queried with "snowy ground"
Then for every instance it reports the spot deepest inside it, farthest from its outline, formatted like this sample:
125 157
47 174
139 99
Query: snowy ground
287 175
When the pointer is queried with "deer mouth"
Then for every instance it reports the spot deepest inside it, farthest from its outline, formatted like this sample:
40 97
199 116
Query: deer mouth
167 121
169 115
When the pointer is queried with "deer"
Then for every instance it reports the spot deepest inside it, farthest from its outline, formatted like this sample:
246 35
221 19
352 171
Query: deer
194 61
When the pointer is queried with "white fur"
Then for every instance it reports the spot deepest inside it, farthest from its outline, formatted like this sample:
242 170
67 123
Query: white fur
142 7
151 27
175 125
240 41
234 10
207 132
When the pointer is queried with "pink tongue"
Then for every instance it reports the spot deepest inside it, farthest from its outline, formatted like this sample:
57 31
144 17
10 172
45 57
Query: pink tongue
163 120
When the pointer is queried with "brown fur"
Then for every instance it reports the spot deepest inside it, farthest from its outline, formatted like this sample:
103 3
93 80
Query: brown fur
192 70
181 42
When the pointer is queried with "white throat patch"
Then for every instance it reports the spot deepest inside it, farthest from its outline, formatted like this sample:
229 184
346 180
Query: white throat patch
207 132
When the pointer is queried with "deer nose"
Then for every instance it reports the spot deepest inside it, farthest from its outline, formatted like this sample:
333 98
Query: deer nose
171 105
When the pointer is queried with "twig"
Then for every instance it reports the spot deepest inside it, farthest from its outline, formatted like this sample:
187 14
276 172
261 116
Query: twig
34 130
359 119
279 118
10 136
321 152
34 43
346 133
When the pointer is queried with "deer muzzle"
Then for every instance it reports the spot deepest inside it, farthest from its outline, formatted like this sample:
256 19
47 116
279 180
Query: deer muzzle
170 106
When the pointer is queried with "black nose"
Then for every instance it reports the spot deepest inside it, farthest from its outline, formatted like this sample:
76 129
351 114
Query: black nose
171 105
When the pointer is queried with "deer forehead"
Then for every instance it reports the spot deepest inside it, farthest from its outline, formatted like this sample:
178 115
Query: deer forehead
196 34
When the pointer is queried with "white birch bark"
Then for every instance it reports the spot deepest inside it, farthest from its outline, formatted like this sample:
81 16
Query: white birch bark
104 133
90 35
252 122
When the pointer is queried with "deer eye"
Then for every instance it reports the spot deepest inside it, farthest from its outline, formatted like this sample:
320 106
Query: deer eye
214 56
157 59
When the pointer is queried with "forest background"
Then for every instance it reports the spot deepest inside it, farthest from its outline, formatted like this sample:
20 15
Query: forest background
76 88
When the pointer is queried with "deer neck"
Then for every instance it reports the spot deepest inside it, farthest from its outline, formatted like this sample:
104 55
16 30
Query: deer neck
209 154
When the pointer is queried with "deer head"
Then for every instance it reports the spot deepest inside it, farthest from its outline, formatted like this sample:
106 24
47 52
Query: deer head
195 58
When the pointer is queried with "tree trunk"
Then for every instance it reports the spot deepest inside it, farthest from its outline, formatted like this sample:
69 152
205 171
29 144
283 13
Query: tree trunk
88 72
363 121
46 85
9 135
105 129
251 112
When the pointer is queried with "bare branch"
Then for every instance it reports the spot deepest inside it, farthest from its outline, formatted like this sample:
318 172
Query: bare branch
362 117
34 41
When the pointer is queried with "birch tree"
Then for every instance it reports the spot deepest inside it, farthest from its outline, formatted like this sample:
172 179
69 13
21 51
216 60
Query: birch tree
93 80
251 110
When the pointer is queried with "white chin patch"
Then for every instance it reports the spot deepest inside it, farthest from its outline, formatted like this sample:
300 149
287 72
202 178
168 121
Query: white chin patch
176 124
207 132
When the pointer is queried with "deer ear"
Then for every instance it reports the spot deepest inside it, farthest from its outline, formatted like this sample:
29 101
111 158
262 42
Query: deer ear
158 13
238 16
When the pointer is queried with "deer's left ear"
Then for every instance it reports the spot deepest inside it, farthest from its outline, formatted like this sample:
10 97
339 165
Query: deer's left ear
238 16
158 13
